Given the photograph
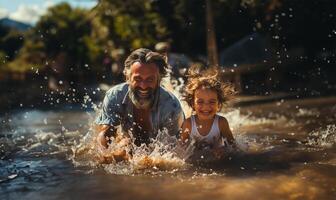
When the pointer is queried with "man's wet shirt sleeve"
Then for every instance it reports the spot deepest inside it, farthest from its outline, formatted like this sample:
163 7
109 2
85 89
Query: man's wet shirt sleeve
110 111
174 118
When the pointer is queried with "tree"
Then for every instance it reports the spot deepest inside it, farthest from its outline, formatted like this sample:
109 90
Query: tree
62 42
132 24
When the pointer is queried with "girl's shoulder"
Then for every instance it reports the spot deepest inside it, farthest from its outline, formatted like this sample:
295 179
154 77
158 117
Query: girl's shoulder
187 121
222 121
186 129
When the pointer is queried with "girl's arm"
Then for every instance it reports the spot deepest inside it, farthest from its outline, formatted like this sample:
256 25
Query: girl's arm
185 130
225 130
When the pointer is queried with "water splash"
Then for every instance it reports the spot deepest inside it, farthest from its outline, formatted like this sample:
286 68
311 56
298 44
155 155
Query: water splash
323 137
307 112
162 153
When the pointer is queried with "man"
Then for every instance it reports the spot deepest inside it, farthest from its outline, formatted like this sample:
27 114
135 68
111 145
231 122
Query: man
140 105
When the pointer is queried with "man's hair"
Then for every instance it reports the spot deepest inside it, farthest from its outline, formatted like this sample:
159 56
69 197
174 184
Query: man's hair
146 56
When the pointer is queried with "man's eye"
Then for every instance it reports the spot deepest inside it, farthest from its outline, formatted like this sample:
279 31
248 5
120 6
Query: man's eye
150 80
137 79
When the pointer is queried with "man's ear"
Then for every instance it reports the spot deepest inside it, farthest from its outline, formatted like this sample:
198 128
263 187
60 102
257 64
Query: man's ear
159 79
127 75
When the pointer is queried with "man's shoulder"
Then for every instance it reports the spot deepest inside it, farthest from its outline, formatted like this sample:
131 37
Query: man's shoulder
167 98
118 89
116 94
167 95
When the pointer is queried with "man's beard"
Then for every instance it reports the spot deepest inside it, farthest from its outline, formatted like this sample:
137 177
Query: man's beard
142 102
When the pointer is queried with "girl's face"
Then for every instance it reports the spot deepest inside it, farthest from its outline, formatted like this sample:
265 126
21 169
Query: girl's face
206 103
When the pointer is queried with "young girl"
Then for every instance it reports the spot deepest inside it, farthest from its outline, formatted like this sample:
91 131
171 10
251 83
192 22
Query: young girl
205 94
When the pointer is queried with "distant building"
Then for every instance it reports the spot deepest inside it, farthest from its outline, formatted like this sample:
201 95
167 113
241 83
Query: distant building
252 49
250 55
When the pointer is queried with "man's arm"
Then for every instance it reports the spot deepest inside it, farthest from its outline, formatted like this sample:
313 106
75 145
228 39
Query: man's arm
174 123
105 132
108 118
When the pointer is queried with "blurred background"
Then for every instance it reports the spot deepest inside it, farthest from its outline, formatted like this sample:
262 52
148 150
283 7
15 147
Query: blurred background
62 50
58 57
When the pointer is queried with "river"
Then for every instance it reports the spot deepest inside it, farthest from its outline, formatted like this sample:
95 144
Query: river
289 152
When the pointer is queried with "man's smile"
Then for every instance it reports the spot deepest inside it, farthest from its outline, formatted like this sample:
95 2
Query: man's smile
143 93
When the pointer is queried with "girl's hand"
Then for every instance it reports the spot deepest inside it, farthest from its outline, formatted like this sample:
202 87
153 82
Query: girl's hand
218 152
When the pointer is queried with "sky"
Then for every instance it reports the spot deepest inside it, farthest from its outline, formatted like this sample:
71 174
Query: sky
29 11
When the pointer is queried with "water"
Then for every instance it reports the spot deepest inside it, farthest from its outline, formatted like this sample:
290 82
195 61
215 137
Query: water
288 153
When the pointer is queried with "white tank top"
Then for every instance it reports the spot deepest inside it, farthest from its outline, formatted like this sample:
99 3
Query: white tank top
213 138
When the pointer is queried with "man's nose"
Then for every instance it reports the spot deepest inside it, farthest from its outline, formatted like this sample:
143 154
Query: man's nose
143 85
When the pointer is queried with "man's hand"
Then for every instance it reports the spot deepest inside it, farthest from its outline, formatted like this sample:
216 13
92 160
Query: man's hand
101 140
105 131
122 142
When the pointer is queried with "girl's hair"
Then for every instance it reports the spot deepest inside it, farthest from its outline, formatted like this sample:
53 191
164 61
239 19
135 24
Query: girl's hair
201 77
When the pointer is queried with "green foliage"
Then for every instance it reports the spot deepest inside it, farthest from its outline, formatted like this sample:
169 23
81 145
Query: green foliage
11 43
3 59
31 56
63 29
132 24
89 36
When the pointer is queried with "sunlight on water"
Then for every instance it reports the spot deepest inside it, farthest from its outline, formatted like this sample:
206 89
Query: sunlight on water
161 154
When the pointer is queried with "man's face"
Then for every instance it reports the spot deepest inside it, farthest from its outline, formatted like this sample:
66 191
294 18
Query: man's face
144 79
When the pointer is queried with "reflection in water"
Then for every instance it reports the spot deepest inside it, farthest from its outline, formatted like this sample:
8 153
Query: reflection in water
288 153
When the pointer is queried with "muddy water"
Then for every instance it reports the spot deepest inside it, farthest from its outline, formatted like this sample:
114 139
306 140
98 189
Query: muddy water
289 152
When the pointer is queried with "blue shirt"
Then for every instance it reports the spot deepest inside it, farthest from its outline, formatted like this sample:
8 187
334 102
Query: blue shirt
117 109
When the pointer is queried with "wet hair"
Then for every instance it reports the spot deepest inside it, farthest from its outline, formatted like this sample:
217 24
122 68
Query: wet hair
146 56
199 77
